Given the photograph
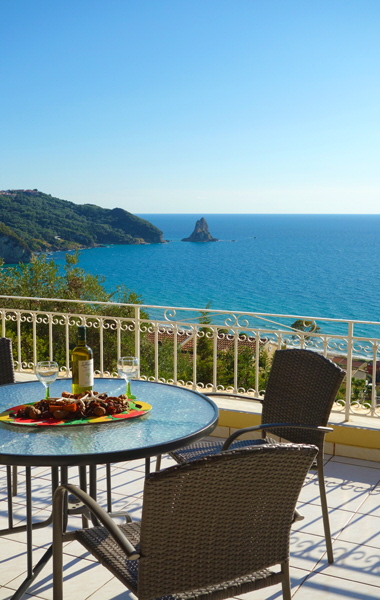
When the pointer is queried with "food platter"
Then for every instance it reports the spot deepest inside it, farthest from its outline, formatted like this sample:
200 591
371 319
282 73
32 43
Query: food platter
23 413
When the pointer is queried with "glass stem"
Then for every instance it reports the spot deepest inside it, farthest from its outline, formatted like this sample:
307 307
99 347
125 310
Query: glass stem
128 389
47 392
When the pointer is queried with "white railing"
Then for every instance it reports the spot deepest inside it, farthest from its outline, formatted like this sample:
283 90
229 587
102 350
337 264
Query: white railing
226 351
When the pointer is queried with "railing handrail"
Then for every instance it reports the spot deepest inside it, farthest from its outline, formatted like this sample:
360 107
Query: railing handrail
200 310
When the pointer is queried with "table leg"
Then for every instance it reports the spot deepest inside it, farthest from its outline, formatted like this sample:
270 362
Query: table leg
64 479
10 501
93 490
83 486
109 489
14 481
93 481
54 480
29 521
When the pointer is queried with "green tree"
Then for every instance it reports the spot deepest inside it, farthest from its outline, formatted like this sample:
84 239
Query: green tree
40 223
306 326
205 348
246 376
42 278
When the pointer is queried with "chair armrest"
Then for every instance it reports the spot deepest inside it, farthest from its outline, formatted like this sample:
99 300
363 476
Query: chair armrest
98 511
236 434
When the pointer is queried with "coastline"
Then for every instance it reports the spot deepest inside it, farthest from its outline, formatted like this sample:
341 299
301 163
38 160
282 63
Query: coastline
279 265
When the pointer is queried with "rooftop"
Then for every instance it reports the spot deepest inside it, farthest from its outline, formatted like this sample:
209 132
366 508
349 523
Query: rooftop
353 493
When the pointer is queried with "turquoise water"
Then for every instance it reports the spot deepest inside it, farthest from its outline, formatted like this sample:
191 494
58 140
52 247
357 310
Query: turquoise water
318 265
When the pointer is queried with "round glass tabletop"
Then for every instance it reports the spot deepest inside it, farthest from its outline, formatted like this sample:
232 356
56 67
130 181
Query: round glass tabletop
178 417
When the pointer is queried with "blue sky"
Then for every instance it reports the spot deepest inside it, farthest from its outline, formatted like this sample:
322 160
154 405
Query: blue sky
193 106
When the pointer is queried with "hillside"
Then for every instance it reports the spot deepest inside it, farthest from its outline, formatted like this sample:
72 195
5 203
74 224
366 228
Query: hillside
44 223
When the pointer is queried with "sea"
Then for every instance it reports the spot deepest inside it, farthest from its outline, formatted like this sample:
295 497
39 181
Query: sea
322 266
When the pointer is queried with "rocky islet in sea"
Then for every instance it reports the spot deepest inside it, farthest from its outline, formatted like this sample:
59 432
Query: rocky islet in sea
200 233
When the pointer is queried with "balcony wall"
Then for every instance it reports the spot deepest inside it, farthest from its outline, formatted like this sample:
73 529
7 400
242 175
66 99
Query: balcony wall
357 438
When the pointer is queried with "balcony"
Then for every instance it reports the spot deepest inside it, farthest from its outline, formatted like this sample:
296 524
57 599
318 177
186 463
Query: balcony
170 342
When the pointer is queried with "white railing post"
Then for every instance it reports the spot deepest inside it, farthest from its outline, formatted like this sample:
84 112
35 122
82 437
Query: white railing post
50 317
3 331
137 331
18 325
175 356
214 359
374 378
156 357
195 340
101 346
236 360
67 343
349 370
35 357
118 338
257 364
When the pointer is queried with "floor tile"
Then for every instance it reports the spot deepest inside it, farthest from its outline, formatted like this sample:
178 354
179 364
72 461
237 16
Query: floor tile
325 587
81 579
129 483
371 506
353 562
13 563
6 593
342 491
112 590
313 521
357 462
306 550
362 529
352 473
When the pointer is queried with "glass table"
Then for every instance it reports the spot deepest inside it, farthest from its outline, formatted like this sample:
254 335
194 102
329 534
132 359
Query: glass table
179 416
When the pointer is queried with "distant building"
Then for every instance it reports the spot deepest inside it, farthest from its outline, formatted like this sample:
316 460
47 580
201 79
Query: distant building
359 367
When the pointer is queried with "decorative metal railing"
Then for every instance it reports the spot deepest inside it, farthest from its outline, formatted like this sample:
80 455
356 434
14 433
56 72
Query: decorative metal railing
200 348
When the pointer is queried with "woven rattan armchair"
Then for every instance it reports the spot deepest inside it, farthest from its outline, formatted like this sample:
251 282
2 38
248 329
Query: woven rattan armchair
211 528
301 389
7 375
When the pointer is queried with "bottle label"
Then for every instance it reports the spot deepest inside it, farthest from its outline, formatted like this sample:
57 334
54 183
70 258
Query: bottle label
86 373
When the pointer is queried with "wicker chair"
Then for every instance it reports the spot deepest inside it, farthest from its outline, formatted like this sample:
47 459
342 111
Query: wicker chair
7 375
301 389
208 531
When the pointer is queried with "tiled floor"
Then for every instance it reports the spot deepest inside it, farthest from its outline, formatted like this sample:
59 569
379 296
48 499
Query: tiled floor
353 497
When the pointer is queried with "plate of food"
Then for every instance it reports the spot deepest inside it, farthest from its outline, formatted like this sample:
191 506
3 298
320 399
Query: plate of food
75 409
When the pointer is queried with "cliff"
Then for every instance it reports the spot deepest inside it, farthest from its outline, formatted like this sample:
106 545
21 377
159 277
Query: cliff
12 248
44 223
200 233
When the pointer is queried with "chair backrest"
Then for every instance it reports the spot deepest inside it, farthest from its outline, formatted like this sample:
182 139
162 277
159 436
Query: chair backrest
7 374
301 388
219 518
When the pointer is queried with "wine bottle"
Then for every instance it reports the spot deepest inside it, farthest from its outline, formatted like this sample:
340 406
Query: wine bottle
82 364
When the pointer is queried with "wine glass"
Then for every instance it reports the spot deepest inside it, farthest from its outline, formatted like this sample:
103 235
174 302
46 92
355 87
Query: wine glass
128 367
47 372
